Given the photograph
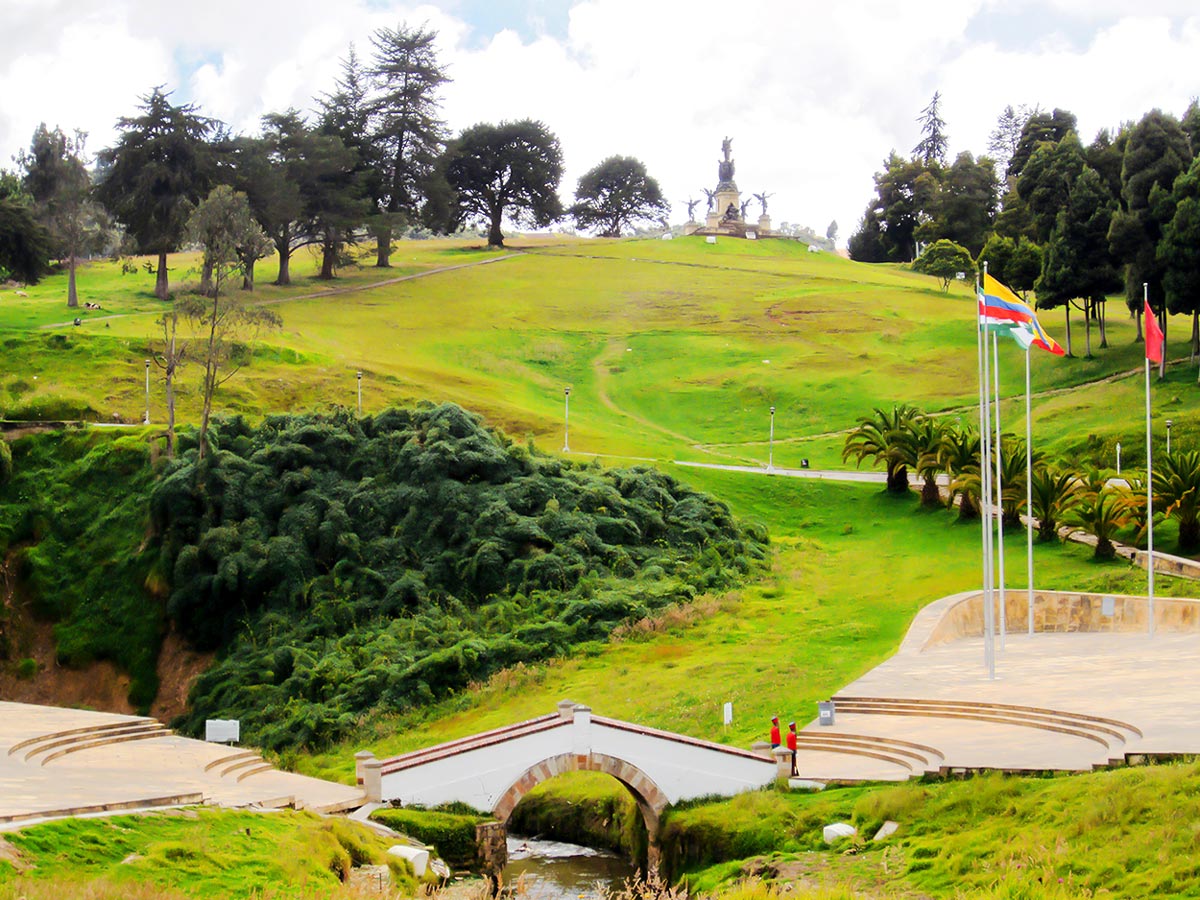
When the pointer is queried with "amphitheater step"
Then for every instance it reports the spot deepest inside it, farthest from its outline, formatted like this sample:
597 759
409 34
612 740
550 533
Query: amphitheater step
92 730
103 741
189 799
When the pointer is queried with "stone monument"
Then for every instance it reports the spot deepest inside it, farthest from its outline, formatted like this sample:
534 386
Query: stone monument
727 199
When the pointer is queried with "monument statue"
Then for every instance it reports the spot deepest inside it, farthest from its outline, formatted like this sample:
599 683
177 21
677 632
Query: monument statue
762 198
745 204
711 195
731 213
691 205
725 166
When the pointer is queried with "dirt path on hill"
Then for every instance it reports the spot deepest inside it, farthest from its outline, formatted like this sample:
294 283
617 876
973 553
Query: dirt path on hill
329 292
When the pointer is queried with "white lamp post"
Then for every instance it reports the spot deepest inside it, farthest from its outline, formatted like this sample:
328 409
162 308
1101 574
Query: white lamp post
360 393
1169 423
566 420
146 420
1118 459
771 443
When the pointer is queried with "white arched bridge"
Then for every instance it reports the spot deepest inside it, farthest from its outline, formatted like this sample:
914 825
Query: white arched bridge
495 769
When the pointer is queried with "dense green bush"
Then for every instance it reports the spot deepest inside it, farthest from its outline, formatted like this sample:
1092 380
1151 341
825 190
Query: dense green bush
452 835
341 565
6 462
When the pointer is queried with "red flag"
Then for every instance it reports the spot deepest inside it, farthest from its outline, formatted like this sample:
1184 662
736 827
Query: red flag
1154 337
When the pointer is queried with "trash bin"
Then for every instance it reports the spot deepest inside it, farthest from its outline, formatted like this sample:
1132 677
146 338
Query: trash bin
804 463
825 712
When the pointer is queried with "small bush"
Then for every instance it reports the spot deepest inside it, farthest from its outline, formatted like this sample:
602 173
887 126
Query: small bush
450 834
6 462
26 669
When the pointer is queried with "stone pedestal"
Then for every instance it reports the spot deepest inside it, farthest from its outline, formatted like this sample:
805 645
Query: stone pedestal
691 228
728 195
764 224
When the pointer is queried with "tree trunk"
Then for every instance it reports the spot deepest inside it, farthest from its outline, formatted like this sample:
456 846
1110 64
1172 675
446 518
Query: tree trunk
1047 529
968 511
206 285
1189 536
285 264
1138 315
248 274
1087 326
897 480
160 280
1195 334
210 377
931 497
72 296
495 237
1162 366
383 246
1067 310
1103 305
1105 549
328 260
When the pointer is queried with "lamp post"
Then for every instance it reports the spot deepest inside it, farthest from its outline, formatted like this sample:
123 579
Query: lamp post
1118 459
360 393
566 420
146 420
1169 423
771 443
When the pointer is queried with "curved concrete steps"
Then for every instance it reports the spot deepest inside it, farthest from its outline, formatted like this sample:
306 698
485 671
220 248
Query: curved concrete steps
916 758
48 747
1111 734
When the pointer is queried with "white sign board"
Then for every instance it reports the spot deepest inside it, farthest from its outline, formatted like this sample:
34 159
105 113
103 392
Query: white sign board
728 713
711 239
751 236
222 731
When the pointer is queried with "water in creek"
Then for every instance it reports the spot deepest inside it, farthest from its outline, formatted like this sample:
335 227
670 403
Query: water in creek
550 870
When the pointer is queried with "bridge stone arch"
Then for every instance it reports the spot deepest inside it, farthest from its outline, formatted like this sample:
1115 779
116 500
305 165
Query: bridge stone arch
650 799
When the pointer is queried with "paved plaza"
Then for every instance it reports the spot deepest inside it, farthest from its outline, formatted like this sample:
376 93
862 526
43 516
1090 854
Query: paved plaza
56 762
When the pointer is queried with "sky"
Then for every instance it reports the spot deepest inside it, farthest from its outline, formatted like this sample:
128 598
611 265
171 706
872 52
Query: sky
814 96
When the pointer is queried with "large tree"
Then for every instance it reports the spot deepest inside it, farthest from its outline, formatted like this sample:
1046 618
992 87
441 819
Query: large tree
1046 180
408 135
159 170
24 242
1006 137
963 205
1078 265
903 193
1039 128
57 179
616 193
1156 152
1178 251
511 169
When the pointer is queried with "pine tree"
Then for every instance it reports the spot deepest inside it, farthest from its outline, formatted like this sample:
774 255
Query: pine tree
933 145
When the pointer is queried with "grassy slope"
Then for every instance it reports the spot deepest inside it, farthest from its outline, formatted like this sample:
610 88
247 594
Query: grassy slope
207 853
672 350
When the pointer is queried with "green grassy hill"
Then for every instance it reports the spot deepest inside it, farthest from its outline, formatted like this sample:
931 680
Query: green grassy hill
673 350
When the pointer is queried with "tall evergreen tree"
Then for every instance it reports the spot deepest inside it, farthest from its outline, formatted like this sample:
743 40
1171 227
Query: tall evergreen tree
24 242
1006 137
1045 182
1178 251
1156 152
1039 128
408 134
1078 265
156 174
351 197
933 144
963 206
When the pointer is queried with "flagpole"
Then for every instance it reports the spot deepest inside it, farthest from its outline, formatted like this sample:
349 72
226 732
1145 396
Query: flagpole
1029 492
985 478
999 489
1149 478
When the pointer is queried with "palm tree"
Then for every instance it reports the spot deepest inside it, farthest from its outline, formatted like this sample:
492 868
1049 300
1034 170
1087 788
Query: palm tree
958 455
926 436
1103 514
1012 476
1055 493
885 437
1177 493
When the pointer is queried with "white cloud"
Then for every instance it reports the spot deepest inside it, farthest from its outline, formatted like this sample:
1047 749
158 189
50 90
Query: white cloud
815 96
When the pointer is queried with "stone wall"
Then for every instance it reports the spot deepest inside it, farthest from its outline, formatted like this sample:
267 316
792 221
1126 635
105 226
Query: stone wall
1065 611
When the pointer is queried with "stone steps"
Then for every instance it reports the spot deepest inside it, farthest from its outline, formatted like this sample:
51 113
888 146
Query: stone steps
59 744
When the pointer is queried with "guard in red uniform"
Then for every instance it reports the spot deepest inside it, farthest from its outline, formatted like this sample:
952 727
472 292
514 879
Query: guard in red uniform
775 741
791 745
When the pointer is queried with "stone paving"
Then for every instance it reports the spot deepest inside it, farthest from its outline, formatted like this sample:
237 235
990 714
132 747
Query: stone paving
165 770
1150 682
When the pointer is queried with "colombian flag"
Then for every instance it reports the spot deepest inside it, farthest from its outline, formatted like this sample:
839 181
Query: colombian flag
1000 306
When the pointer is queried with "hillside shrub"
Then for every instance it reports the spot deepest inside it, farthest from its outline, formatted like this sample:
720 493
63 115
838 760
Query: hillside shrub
343 565
6 463
452 835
